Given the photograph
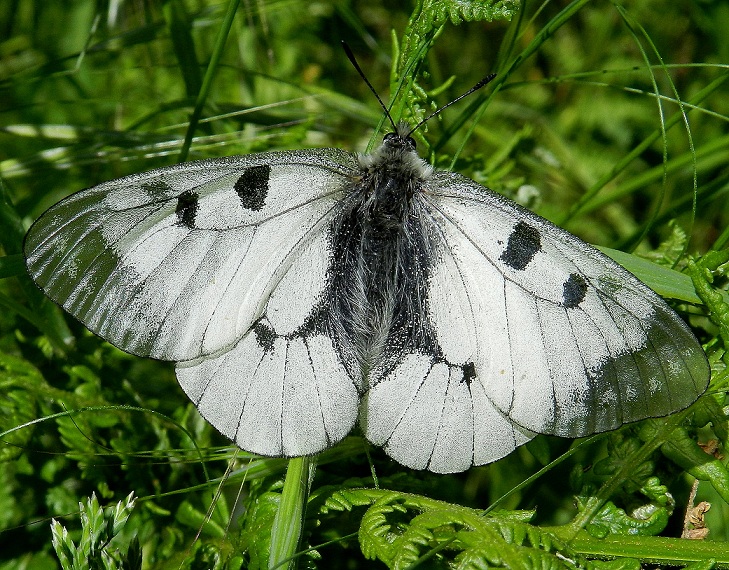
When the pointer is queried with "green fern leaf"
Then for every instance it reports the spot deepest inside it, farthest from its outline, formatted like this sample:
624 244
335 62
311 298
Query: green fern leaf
256 530
458 11
620 564
472 560
533 559
22 385
647 520
341 499
375 538
407 548
538 538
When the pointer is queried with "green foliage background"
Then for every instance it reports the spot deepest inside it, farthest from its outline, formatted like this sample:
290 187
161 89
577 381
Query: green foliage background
583 128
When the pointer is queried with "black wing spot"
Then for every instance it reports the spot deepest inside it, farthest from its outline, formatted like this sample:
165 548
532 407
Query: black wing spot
252 187
524 243
265 336
575 289
187 205
469 372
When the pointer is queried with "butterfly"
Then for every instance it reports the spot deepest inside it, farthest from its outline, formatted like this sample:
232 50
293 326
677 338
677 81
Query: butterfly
302 292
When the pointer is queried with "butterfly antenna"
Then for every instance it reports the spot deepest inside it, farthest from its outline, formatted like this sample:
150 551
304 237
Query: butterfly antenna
476 87
353 60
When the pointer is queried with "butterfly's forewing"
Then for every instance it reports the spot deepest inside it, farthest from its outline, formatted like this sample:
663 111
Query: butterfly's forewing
178 262
218 264
577 343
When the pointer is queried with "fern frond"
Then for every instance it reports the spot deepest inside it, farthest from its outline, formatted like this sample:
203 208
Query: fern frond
401 529
457 11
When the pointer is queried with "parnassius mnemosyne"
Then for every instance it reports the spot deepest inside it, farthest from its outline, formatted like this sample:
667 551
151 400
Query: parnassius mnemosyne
300 292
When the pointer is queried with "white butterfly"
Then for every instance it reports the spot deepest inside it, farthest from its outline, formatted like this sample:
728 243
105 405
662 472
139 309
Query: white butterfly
299 292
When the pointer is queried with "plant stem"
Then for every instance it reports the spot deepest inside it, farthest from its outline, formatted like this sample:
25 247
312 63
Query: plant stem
288 522
209 75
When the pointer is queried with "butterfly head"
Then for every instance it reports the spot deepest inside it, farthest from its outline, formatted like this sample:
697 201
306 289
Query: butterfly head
400 138
397 155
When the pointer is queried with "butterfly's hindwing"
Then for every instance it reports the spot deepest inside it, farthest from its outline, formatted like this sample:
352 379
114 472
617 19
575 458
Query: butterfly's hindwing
282 390
430 414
